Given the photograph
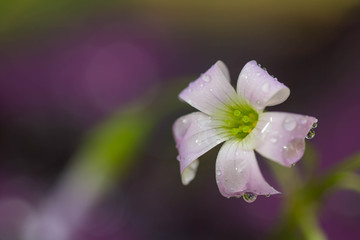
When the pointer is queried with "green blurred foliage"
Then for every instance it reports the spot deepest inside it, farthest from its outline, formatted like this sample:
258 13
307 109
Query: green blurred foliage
305 192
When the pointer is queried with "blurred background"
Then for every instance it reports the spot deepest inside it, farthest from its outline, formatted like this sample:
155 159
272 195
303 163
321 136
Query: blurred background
88 95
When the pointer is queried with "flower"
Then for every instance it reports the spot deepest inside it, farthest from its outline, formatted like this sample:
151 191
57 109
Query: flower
238 119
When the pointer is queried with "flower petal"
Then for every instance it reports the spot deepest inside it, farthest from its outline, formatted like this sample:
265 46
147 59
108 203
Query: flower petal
189 172
195 134
281 136
237 172
212 91
259 88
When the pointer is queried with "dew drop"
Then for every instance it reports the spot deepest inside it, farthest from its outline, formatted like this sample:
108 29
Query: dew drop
265 87
197 141
273 140
293 165
218 172
249 197
184 120
244 76
315 124
206 78
178 158
268 195
302 120
294 150
311 134
289 124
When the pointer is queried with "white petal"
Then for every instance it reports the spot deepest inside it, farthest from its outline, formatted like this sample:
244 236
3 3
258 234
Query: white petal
195 134
237 172
211 92
189 172
281 136
259 88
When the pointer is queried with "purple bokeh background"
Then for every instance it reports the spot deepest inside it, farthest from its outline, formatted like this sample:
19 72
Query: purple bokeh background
58 83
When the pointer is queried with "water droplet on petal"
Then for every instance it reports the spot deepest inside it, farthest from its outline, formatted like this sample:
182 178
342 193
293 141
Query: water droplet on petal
249 197
303 120
211 90
197 141
294 150
218 172
206 78
265 87
289 124
268 195
311 134
184 120
315 124
293 165
178 158
201 85
273 140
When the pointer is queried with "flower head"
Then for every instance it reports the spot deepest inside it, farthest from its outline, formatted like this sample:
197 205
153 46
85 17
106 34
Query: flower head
238 119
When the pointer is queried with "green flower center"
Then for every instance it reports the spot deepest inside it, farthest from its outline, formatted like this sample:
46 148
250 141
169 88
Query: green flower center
241 120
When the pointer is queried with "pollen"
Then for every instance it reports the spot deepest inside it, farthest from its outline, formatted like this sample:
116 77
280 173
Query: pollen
241 120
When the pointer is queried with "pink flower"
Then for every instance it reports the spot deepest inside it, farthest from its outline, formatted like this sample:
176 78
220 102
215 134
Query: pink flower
238 119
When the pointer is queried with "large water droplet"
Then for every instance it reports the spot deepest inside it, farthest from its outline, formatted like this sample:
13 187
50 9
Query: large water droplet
294 150
249 197
218 172
289 124
311 134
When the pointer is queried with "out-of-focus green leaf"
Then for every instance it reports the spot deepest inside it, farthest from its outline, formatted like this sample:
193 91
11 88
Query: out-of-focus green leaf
309 161
113 145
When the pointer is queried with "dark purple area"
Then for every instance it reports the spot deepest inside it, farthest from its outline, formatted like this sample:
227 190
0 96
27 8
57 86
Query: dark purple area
53 90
